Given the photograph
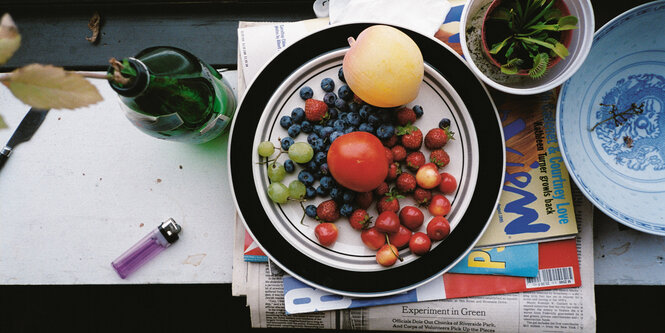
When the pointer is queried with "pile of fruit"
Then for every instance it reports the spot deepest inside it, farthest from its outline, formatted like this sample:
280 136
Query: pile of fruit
356 154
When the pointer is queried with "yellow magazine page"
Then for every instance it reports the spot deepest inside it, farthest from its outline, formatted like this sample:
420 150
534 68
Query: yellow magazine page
536 203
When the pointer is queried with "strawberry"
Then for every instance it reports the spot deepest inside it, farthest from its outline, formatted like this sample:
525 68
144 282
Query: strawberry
437 138
415 160
315 110
389 202
364 199
439 157
381 189
406 182
394 170
359 219
399 153
422 196
392 141
327 211
412 137
405 116
389 155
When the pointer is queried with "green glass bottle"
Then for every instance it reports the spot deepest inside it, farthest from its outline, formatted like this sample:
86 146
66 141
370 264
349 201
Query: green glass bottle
176 96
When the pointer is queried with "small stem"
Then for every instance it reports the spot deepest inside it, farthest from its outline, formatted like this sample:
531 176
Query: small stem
95 75
351 41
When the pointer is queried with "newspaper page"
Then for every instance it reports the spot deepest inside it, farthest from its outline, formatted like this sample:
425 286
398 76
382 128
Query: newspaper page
560 310
240 267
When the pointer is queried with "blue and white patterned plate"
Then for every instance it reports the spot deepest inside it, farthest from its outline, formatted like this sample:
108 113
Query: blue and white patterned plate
611 120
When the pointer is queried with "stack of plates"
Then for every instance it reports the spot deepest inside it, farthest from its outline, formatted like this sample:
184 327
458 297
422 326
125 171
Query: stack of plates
449 89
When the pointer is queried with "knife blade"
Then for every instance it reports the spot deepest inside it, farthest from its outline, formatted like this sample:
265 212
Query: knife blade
28 126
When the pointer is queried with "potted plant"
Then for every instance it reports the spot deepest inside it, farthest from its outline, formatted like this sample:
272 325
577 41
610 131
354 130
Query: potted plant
527 37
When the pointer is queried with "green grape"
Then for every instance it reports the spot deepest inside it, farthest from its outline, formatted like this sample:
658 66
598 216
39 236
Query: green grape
278 192
297 189
266 148
276 172
301 152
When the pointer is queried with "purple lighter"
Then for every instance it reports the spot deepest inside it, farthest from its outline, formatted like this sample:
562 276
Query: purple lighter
152 244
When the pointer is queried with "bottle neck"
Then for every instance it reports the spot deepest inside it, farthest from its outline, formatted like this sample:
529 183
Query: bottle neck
137 85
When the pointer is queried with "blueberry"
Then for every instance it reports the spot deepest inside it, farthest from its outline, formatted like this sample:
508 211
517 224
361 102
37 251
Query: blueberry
319 158
306 177
368 108
385 131
341 105
339 125
354 107
340 74
326 131
286 143
298 115
445 122
418 110
345 93
289 166
327 182
330 98
306 92
317 129
386 116
353 119
350 129
286 122
333 113
373 119
348 196
327 84
336 193
317 174
318 144
306 127
311 137
311 166
310 192
310 211
324 169
365 127
321 191
336 134
294 130
363 113
346 210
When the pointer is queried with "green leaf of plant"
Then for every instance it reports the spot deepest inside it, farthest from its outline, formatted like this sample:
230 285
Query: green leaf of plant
567 22
512 67
50 87
536 41
510 50
559 48
498 46
2 123
10 39
540 14
552 14
539 65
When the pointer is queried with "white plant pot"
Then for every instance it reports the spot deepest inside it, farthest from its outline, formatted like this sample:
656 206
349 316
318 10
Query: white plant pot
524 85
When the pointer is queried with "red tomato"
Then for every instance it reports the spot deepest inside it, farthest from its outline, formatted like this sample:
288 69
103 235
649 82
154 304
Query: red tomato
448 183
357 161
326 233
420 243
439 206
411 217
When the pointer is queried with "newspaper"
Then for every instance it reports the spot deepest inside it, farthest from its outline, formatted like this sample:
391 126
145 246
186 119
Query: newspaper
559 310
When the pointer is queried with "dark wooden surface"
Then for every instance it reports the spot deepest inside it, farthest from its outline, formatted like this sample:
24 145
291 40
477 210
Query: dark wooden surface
54 32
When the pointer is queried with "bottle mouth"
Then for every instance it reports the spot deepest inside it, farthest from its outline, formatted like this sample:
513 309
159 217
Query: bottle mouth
136 86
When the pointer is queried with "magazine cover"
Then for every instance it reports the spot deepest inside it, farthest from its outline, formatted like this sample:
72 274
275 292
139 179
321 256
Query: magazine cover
536 203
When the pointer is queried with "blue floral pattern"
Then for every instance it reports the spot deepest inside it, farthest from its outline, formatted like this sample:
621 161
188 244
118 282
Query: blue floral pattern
646 149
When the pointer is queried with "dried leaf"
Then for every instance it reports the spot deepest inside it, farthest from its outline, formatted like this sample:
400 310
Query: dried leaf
10 39
2 123
94 25
50 87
